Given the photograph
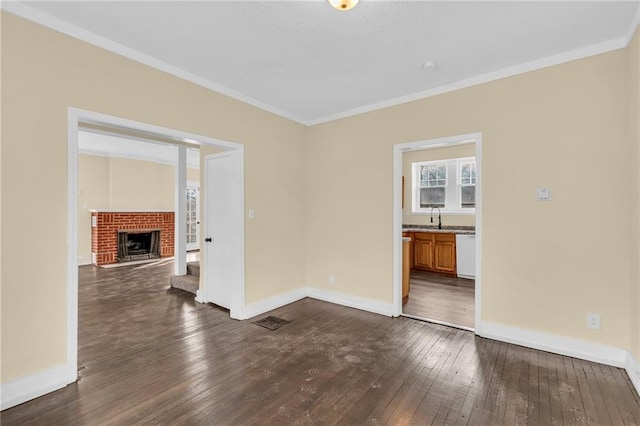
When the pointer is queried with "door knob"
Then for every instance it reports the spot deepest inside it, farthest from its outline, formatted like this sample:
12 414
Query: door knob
208 240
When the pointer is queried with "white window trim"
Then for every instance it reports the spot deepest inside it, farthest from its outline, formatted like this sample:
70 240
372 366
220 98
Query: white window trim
452 191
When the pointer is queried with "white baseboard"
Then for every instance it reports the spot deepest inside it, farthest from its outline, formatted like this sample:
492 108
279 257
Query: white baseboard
199 297
274 302
351 301
26 388
343 299
469 277
568 346
633 370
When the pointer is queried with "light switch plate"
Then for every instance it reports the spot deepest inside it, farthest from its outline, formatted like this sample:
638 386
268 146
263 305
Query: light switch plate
543 194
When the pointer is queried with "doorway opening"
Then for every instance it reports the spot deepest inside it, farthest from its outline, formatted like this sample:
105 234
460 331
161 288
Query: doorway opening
437 230
143 240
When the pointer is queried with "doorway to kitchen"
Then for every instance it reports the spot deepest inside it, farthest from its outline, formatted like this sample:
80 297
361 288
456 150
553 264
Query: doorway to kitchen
437 230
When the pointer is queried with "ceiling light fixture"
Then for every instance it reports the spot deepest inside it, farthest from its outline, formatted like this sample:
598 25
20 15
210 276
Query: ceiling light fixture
430 66
343 5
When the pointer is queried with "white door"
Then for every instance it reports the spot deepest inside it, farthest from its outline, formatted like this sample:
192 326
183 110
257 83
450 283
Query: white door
193 217
224 222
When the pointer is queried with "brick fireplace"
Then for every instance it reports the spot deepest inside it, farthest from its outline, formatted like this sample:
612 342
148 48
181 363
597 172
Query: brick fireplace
108 228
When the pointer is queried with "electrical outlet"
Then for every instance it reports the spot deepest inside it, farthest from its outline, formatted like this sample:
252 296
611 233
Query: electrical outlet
332 279
593 321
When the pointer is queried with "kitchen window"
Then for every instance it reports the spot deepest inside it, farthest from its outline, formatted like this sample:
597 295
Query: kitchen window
433 184
447 184
467 178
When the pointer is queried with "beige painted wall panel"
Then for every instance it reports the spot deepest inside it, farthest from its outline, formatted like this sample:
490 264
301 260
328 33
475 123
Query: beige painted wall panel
193 175
141 185
634 159
545 264
433 154
93 193
44 73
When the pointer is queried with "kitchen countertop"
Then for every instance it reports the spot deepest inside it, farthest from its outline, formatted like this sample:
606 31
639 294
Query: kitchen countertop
465 230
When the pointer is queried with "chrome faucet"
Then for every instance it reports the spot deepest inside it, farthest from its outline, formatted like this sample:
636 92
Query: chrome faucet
439 217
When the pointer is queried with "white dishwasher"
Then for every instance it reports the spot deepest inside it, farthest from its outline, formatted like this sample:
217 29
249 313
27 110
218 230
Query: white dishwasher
466 255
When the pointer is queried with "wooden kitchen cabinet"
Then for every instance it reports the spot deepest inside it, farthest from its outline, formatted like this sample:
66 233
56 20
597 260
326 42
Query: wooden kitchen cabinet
434 252
406 270
423 251
444 254
410 235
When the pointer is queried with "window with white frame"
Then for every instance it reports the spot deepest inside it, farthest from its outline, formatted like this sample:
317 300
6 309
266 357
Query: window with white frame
467 178
433 183
447 184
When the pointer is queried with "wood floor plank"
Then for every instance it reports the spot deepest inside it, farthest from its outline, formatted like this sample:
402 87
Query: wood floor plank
554 389
487 406
544 395
476 394
590 411
442 298
532 386
149 354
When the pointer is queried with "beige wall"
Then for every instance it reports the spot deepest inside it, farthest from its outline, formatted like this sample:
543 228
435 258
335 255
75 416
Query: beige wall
433 154
120 183
45 72
545 264
93 193
634 160
193 175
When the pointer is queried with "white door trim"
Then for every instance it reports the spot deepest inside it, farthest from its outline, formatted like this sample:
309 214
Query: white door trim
237 307
196 245
75 116
398 149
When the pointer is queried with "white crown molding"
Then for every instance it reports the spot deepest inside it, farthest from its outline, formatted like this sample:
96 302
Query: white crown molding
29 387
549 61
635 23
64 27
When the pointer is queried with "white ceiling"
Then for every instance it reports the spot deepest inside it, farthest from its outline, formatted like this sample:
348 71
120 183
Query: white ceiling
309 62
104 145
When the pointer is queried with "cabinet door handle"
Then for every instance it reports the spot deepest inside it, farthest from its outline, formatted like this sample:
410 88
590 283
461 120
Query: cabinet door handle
208 240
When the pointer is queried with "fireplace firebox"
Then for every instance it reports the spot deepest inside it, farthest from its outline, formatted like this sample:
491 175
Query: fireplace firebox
138 245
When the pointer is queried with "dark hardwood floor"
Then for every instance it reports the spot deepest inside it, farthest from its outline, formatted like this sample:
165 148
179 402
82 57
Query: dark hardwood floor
442 298
149 354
